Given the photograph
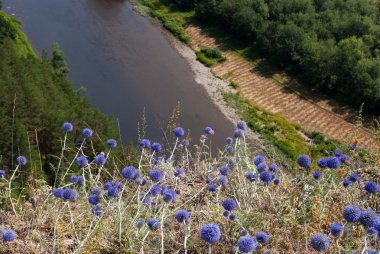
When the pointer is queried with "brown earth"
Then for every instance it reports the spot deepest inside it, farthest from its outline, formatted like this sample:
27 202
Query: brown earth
280 94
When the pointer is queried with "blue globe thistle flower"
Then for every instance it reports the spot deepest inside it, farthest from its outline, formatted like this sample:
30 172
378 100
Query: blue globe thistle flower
241 125
182 216
371 187
74 179
250 176
169 195
21 160
345 159
322 163
208 180
80 180
258 159
371 231
222 180
246 244
276 181
262 237
338 152
100 160
368 218
372 252
58 193
111 143
142 182
155 175
226 213
153 224
212 187
97 210
145 143
229 141
229 204
147 201
156 147
87 133
107 185
239 133
96 190
230 149
2 172
179 132
317 175
351 213
320 242
353 147
354 177
113 191
346 183
232 216
129 172
273 167
224 170
266 177
261 167
81 161
333 162
243 232
8 235
69 194
93 199
178 172
67 127
118 185
155 190
210 233
209 131
336 229
304 160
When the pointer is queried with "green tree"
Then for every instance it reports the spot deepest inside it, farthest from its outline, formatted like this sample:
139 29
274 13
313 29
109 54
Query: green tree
58 61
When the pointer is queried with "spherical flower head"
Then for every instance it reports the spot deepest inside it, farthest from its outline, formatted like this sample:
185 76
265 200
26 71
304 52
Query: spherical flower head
372 252
246 244
232 216
229 204
107 185
74 179
345 159
276 181
229 141
58 193
336 229
140 224
111 143
250 176
155 175
320 242
354 177
87 133
224 170
273 167
113 192
179 132
243 232
209 131
371 187
93 199
97 210
353 147
21 160
222 180
81 161
100 160
212 187
69 194
262 237
67 127
258 159
96 190
178 172
147 201
2 172
210 233
153 224
226 213
239 133
182 216
304 160
129 172
208 180
322 163
145 143
317 175
346 183
169 195
368 218
156 147
261 167
371 231
155 190
80 180
8 235
266 177
333 162
241 125
230 149
338 152
351 213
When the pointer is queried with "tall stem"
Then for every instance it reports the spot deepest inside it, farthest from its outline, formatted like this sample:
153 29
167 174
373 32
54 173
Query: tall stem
10 189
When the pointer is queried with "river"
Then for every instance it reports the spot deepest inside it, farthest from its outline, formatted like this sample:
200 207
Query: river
125 62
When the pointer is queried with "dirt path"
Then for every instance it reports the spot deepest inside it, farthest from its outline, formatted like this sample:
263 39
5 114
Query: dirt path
314 115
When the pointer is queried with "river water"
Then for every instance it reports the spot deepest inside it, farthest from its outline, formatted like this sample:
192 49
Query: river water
125 62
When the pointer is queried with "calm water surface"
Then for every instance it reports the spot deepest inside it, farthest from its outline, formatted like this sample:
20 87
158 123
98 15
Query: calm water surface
125 62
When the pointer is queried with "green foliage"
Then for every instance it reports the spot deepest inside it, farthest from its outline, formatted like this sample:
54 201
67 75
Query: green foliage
234 85
58 61
210 56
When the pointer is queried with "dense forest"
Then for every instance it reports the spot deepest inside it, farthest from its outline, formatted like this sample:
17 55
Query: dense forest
332 45
36 97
